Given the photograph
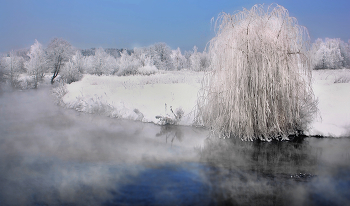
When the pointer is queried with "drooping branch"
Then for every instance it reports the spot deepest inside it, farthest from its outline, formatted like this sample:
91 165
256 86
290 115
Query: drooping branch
257 89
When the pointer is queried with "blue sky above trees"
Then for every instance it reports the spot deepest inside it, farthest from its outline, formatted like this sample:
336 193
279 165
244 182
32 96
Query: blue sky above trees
138 23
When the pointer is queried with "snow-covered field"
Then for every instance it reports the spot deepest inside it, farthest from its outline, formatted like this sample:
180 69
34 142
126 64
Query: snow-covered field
145 97
332 88
137 97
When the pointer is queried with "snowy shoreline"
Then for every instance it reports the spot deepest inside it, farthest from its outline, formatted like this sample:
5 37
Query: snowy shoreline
136 97
142 98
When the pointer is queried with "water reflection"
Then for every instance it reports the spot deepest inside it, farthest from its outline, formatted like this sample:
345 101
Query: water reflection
278 173
171 132
165 184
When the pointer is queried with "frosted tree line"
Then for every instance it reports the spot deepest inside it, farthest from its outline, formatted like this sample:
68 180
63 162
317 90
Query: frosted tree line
27 68
330 54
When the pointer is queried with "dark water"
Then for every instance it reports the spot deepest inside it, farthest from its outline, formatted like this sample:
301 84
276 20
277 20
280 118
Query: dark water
54 156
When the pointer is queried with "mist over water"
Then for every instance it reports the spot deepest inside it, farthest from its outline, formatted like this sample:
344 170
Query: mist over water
54 155
50 155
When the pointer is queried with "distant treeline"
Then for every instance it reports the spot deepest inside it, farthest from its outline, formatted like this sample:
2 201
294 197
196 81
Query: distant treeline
111 51
26 68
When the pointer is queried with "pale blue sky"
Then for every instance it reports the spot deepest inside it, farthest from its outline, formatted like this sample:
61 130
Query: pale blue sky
126 24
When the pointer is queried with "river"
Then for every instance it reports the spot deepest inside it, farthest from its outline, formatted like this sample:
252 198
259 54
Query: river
50 155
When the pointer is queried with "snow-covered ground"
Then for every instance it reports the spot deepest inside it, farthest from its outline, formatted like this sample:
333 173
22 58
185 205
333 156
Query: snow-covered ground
332 88
145 97
137 97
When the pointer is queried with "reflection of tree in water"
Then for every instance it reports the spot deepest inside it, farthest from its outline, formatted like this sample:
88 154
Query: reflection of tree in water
171 132
276 156
258 173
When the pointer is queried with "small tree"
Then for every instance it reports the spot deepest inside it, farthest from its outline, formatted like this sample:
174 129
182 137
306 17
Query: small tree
12 65
59 52
127 64
36 65
195 60
178 59
260 85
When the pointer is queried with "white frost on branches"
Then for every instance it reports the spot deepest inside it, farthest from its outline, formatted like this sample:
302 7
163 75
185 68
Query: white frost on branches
330 54
37 63
260 85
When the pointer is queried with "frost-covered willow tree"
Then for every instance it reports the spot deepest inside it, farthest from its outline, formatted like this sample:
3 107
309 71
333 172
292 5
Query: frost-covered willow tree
260 83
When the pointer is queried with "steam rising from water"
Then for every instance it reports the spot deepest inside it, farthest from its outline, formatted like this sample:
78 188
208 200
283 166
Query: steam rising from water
50 155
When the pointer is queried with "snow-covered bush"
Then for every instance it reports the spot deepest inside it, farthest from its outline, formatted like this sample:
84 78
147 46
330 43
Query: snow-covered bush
260 85
172 119
199 61
127 64
70 72
101 63
73 70
147 70
58 92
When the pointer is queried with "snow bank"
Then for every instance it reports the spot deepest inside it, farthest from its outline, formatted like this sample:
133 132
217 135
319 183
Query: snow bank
136 97
332 88
144 97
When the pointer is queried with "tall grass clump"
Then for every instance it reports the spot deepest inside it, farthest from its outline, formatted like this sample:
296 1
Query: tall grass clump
260 83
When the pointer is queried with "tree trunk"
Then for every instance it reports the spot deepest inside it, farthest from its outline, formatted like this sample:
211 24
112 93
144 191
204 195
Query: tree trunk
57 70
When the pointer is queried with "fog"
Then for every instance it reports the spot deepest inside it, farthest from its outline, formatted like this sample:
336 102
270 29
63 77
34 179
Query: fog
54 155
50 155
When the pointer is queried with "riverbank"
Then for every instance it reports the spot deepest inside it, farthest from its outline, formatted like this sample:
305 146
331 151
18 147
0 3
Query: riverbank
143 98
